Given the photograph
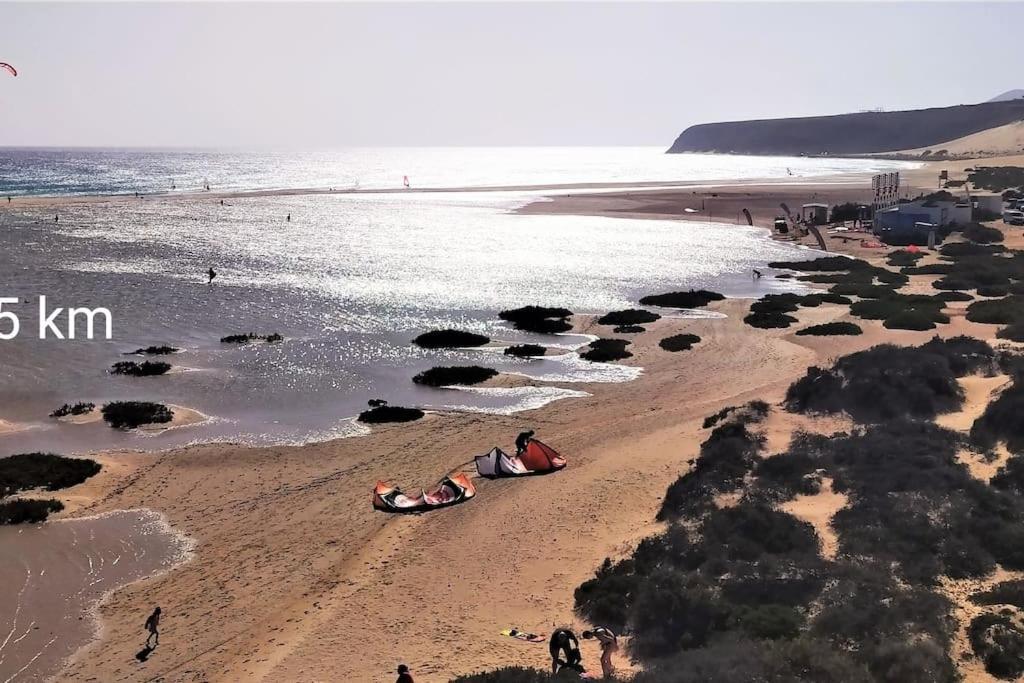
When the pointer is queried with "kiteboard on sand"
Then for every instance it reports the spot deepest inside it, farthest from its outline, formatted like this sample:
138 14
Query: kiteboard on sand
522 635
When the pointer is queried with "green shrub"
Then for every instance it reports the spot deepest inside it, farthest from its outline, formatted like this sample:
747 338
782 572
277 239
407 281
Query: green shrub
831 329
997 311
691 299
130 414
769 320
605 350
385 414
146 368
982 234
882 383
1002 421
449 339
999 643
1013 332
27 510
628 329
251 337
997 178
1004 593
80 408
902 257
27 471
525 350
540 319
679 342
632 316
954 296
154 351
444 376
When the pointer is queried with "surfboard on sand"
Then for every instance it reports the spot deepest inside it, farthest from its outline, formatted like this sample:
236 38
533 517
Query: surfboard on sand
522 635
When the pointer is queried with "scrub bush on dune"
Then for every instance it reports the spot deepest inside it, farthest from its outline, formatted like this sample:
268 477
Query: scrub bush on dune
982 234
251 337
999 642
540 319
443 376
27 471
27 510
902 257
830 329
525 350
629 329
604 350
146 368
80 408
153 351
997 311
129 414
632 316
449 339
1005 593
1002 420
1013 332
386 414
679 342
695 298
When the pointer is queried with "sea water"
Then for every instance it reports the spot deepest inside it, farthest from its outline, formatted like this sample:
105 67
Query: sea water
349 280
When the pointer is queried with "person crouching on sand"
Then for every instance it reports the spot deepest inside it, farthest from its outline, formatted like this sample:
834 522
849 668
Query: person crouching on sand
609 646
563 641
522 440
153 626
403 674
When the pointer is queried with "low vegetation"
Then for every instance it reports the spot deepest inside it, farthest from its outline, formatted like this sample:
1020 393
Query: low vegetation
887 382
27 471
629 329
251 337
831 329
605 350
982 234
1001 421
449 339
998 639
154 351
131 414
1005 593
997 178
632 316
902 311
444 376
27 510
679 342
382 414
80 408
694 298
1013 332
903 257
146 368
540 319
771 310
997 311
525 350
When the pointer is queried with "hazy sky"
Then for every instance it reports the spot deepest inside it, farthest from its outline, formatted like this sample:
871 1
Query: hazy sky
243 74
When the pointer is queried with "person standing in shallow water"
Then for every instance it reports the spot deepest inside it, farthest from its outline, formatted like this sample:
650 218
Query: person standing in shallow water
211 274
153 626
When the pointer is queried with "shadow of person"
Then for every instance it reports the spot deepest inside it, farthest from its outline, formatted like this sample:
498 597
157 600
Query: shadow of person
143 654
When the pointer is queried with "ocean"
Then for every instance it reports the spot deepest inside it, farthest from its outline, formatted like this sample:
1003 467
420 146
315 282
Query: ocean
349 280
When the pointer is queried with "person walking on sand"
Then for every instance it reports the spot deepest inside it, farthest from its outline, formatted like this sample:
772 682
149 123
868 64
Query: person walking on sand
403 674
288 218
153 626
563 641
522 440
609 645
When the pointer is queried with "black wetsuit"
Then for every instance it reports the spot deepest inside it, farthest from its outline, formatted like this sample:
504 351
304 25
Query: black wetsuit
521 441
568 645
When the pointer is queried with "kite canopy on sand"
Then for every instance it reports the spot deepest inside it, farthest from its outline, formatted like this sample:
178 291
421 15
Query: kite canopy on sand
10 69
539 458
452 490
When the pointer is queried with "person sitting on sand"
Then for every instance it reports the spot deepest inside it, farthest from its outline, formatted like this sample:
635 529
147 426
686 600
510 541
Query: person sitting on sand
211 274
564 641
609 645
522 440
153 626
403 674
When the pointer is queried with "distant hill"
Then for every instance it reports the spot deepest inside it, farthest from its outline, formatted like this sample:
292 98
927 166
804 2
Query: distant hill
1009 95
860 133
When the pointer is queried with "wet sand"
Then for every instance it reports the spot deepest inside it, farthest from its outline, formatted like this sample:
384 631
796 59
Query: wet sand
55 575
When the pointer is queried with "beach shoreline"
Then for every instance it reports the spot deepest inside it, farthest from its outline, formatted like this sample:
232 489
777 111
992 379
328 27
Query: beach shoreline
292 566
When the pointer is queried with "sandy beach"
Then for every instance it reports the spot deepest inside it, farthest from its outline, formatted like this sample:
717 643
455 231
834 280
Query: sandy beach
296 578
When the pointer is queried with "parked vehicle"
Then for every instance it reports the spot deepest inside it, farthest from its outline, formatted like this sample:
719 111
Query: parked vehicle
1013 217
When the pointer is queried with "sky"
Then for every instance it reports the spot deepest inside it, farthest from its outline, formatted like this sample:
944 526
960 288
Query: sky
347 74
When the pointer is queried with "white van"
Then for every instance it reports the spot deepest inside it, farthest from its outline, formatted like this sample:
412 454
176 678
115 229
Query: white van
1013 217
